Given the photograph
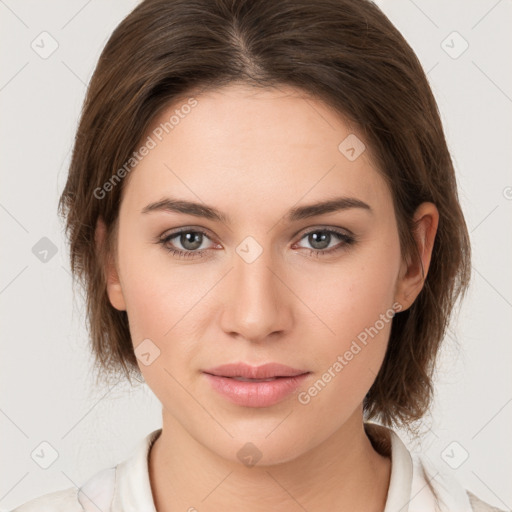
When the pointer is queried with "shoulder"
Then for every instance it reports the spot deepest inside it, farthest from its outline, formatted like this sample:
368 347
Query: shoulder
96 494
419 482
65 500
477 505
449 491
123 482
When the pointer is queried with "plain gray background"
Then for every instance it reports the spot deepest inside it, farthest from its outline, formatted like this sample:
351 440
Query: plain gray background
47 390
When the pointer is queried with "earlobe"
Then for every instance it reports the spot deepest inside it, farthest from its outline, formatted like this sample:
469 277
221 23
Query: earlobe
413 272
105 258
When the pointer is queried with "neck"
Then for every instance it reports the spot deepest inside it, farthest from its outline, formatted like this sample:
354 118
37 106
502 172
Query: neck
343 472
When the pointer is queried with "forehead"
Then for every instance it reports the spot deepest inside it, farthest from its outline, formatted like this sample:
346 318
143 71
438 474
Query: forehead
245 144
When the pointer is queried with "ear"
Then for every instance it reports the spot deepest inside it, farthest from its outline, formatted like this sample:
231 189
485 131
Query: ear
114 290
414 272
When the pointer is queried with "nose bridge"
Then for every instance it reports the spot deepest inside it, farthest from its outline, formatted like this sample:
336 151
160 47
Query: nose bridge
257 305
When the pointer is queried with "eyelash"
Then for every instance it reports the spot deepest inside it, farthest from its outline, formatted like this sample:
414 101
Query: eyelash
347 241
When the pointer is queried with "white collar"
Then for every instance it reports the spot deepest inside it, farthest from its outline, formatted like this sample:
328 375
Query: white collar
415 486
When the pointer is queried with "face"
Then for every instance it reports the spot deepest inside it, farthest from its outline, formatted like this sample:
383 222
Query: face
263 280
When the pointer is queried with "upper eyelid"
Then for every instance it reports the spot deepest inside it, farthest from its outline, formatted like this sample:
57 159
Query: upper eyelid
337 230
179 231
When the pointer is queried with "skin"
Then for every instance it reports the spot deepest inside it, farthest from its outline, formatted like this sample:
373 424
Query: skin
253 154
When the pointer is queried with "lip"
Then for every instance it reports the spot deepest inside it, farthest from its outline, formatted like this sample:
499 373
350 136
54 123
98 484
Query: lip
265 371
255 393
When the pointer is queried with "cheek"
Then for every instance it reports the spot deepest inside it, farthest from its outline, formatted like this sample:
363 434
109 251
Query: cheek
357 308
147 292
351 296
162 298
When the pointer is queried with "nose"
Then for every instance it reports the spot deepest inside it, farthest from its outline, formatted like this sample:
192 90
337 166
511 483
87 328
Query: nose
258 302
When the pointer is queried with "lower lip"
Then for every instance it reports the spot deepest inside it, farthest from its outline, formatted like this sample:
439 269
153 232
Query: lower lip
255 394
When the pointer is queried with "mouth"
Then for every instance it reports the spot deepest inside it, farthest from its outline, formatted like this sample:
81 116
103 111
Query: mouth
250 386
247 373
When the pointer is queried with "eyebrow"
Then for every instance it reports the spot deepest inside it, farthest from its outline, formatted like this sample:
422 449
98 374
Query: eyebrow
170 204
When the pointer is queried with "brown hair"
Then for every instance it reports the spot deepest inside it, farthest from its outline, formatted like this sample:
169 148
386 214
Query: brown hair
344 52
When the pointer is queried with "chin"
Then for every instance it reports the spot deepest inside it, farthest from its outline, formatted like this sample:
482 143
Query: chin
255 447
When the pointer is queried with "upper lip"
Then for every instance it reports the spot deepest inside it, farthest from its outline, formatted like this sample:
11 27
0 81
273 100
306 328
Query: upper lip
265 371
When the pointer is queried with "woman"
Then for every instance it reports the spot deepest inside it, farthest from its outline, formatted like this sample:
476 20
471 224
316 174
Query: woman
263 211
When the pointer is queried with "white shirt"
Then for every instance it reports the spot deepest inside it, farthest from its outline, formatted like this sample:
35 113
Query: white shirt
414 486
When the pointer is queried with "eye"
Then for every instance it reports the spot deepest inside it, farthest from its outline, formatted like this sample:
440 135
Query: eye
321 241
189 239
